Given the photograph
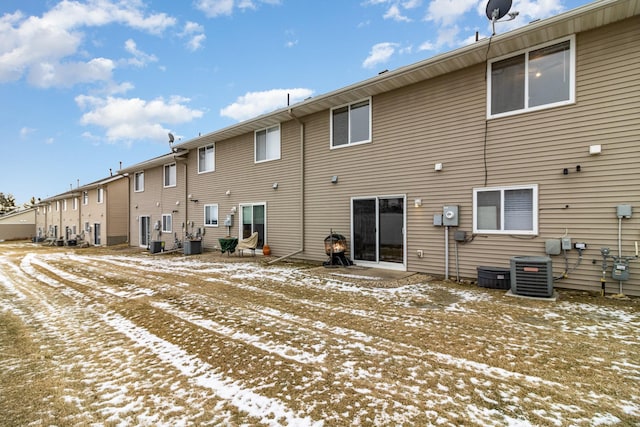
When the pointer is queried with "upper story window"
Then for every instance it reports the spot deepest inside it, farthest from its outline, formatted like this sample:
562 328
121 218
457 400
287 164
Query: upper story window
267 144
506 210
211 215
167 223
138 181
57 205
85 197
206 159
100 195
535 79
64 205
170 175
74 203
351 124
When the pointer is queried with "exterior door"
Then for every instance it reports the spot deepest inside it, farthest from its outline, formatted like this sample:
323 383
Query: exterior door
253 217
377 235
96 234
145 231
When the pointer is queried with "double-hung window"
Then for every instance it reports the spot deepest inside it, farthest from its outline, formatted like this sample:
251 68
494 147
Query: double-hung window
206 159
211 215
351 124
85 198
74 204
170 175
138 182
167 223
100 195
538 78
267 144
506 210
64 205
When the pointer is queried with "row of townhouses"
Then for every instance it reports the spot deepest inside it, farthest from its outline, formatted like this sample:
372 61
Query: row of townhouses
526 144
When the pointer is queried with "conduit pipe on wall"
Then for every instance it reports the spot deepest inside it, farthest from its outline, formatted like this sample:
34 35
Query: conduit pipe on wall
446 252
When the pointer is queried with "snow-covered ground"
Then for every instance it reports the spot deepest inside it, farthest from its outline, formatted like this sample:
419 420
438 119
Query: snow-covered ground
132 339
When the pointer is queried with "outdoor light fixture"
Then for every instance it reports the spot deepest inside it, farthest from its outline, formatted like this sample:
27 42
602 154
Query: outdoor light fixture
228 193
334 179
595 149
275 186
417 203
437 167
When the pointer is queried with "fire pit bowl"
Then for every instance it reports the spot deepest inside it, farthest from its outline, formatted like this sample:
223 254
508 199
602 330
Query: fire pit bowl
335 246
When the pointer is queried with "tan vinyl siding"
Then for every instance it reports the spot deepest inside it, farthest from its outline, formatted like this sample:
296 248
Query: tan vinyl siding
117 209
250 182
443 121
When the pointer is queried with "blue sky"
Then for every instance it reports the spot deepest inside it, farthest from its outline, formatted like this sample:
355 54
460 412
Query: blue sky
88 84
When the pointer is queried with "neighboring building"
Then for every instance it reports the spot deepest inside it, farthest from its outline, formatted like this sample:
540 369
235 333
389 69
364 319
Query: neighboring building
18 224
96 213
527 137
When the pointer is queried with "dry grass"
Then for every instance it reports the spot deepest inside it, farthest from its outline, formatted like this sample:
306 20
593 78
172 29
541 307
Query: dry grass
120 337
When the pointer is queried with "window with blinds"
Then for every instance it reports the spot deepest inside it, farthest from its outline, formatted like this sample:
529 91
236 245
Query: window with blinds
506 210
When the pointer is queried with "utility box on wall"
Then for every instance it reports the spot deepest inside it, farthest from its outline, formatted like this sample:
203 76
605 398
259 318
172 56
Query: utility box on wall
450 216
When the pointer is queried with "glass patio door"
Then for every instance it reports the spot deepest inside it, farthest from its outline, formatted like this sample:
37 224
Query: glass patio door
378 231
254 218
145 231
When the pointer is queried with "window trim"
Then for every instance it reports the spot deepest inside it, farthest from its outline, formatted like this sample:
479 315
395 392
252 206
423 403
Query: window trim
100 195
74 203
135 182
85 198
164 223
164 175
526 108
349 143
213 162
255 144
217 219
502 189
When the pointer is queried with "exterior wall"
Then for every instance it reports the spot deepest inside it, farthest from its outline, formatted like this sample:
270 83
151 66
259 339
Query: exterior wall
250 182
117 209
94 213
443 121
18 225
69 217
157 200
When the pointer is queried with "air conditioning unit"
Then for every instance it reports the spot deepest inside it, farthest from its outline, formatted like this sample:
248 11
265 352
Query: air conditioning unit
532 276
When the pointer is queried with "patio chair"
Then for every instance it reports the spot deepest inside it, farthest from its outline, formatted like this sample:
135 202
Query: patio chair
249 243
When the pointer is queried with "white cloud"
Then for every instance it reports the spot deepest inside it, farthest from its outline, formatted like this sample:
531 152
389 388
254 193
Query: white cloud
394 13
195 34
379 54
215 8
447 12
128 119
44 47
253 104
140 58
25 132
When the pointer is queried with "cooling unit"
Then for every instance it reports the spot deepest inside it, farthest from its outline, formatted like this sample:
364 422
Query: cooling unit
532 276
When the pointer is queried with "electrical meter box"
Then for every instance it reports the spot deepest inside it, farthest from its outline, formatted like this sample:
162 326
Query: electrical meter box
623 211
228 222
450 216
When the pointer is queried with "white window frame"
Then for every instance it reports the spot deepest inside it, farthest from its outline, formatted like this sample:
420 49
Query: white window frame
274 148
172 169
57 205
209 150
526 108
138 182
85 198
211 222
74 203
100 195
167 223
350 142
501 229
64 205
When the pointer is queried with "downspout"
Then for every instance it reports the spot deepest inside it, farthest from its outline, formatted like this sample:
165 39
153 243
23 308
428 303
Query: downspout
302 191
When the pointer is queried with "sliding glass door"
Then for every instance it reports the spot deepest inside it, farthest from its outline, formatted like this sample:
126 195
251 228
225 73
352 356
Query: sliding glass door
378 236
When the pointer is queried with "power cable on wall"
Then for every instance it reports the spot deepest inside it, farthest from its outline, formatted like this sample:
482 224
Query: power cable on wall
486 120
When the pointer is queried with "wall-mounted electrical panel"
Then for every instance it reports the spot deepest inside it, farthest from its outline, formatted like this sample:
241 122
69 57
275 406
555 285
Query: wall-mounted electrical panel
566 243
437 220
623 211
450 216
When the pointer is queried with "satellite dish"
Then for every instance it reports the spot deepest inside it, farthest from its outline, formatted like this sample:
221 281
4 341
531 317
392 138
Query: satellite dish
497 9
171 138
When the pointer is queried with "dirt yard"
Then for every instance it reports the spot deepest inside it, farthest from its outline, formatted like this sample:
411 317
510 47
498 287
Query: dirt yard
120 337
